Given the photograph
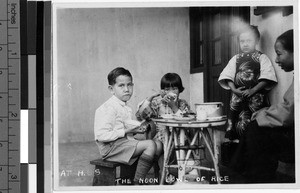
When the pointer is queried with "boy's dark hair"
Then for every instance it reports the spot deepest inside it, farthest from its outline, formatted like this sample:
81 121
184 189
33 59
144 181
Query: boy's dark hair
171 80
112 76
250 28
287 40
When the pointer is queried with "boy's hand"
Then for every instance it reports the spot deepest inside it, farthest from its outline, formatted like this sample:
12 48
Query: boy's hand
142 128
239 91
248 93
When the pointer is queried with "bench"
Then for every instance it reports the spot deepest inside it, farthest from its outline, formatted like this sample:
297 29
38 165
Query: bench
112 173
108 173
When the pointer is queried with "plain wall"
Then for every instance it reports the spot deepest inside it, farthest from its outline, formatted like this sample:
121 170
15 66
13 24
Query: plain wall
196 89
91 42
271 25
149 42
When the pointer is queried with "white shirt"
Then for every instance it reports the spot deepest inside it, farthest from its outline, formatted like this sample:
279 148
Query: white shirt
109 120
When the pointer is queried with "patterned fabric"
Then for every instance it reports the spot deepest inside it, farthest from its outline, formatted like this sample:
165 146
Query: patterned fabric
267 71
158 107
247 76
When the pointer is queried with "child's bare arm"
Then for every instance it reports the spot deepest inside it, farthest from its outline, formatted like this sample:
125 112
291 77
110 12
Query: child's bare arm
261 85
237 91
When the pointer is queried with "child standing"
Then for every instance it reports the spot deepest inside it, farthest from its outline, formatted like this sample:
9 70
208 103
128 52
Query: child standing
113 135
249 75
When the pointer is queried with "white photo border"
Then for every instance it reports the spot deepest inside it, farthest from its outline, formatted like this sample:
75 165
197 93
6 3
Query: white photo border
59 4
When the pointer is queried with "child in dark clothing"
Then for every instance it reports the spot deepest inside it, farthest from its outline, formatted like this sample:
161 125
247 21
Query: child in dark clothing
249 75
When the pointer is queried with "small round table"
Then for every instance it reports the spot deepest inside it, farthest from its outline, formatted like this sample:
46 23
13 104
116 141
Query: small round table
175 130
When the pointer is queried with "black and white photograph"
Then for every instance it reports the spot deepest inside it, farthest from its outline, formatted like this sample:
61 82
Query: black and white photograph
184 95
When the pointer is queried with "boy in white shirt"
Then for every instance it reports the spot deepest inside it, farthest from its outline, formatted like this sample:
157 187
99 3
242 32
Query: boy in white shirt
114 130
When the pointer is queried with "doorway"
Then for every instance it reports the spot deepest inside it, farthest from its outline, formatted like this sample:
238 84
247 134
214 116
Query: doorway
213 32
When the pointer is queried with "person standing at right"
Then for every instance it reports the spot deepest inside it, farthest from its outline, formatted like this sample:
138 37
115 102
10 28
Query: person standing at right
249 75
270 135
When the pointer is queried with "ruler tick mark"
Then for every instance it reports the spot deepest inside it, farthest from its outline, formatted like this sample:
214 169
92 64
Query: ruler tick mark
12 55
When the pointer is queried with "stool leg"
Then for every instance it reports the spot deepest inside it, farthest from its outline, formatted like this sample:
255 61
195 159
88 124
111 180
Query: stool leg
104 176
156 170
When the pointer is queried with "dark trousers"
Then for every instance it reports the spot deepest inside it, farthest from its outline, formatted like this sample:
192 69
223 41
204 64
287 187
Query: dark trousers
259 151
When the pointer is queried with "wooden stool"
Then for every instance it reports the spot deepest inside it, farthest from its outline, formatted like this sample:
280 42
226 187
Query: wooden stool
111 173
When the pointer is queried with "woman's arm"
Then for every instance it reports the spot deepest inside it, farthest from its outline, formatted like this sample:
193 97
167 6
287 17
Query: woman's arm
279 115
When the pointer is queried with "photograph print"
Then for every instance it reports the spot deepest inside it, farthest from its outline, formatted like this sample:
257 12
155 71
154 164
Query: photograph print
173 96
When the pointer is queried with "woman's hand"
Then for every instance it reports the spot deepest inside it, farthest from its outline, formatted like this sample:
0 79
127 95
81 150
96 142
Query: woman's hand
138 129
133 126
143 128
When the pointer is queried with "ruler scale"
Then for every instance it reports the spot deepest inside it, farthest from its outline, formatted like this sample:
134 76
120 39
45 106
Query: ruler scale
10 96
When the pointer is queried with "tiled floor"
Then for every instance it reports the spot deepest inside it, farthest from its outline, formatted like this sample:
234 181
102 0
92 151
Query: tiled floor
75 168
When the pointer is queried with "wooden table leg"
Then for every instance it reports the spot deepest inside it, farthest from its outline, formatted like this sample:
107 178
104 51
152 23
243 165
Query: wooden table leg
176 144
216 155
167 149
181 164
191 143
212 153
163 173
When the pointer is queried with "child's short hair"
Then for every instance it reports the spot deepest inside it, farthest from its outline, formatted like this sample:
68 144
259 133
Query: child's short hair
287 40
112 76
249 28
171 80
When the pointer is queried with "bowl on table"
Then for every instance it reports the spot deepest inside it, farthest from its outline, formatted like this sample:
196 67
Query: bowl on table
210 110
